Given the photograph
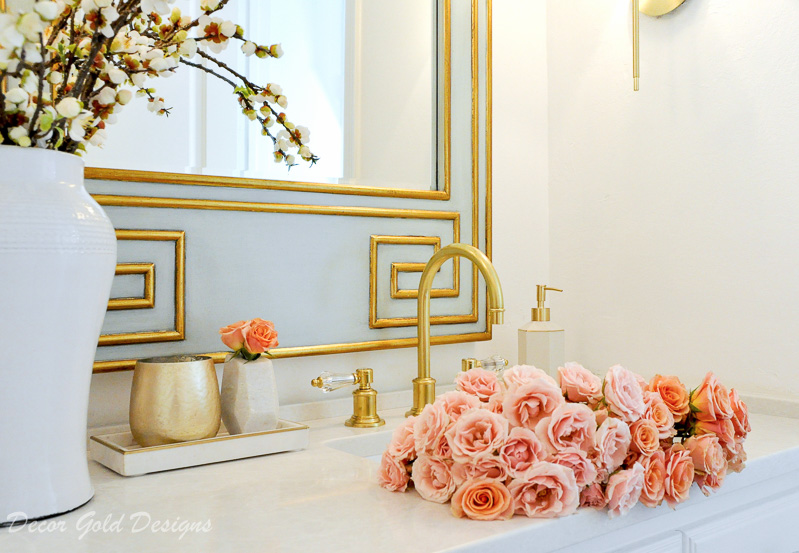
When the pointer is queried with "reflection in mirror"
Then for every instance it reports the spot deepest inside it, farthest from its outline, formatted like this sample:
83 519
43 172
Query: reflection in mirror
360 74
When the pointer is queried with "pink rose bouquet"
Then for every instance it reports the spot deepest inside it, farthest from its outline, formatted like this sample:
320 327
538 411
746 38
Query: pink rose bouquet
521 442
250 339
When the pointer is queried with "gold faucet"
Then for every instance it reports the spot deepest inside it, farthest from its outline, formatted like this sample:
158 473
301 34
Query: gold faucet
424 386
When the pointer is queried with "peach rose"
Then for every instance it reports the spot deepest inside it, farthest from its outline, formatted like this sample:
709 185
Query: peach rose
392 474
232 335
576 459
593 497
570 425
521 451
524 374
478 382
623 394
740 415
612 442
429 426
654 479
711 401
259 336
528 403
710 465
579 384
494 403
547 491
476 434
491 467
455 403
482 500
723 429
679 475
442 450
624 490
673 393
736 457
402 446
658 412
433 479
645 437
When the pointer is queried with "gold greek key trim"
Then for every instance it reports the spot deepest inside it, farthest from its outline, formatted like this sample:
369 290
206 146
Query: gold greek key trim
179 332
400 294
147 300
305 351
349 189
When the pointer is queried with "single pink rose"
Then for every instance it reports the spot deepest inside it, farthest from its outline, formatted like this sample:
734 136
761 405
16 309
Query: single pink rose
593 497
392 474
521 451
494 403
547 491
531 402
482 500
570 425
740 415
624 490
654 479
403 445
710 465
645 438
679 475
612 442
520 375
478 382
442 450
260 336
476 434
433 479
711 401
673 393
232 335
736 457
429 426
491 467
455 403
576 459
658 412
579 384
623 394
723 429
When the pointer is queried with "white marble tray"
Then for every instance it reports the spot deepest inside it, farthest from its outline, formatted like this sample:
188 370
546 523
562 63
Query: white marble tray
123 455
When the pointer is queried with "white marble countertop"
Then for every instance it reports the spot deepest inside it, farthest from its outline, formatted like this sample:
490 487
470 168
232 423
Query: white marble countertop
321 499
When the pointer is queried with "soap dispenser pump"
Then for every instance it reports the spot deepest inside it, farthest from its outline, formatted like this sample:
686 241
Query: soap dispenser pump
541 342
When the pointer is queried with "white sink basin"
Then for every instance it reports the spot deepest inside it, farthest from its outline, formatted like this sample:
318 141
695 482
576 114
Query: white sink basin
369 446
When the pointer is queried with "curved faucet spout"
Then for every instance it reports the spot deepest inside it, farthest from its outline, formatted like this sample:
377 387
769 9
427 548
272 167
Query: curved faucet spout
424 386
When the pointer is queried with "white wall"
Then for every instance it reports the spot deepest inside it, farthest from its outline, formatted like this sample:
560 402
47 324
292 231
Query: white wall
521 240
675 210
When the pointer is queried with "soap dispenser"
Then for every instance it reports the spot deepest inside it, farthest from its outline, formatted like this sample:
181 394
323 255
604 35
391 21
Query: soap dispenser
541 342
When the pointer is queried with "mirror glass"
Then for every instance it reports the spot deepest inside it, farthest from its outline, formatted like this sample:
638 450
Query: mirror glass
360 74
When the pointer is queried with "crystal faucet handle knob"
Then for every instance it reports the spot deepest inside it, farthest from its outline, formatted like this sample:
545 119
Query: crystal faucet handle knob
494 363
328 381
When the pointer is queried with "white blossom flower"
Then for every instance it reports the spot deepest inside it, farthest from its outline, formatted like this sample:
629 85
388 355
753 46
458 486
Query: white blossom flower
276 50
228 28
188 48
116 75
20 136
282 101
47 10
157 6
106 96
55 77
31 26
248 48
16 96
208 5
138 79
290 159
124 96
19 6
68 107
305 134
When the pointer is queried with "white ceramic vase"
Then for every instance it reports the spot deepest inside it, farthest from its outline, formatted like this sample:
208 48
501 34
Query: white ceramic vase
57 260
249 395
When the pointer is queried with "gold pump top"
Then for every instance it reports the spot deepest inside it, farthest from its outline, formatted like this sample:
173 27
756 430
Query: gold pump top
541 313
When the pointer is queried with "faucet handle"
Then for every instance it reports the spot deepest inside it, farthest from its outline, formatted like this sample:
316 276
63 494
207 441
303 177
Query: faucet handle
328 381
494 363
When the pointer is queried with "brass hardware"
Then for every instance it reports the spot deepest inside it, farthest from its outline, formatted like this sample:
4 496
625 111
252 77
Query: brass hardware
126 364
424 386
541 313
147 301
179 332
364 398
494 363
656 8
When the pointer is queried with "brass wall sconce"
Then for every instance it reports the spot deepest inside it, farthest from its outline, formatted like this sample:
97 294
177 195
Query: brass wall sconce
652 8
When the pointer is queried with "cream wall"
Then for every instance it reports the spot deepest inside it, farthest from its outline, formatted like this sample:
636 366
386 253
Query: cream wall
521 246
675 210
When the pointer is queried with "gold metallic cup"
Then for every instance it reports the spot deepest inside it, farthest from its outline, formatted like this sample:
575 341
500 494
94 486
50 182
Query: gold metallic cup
174 399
